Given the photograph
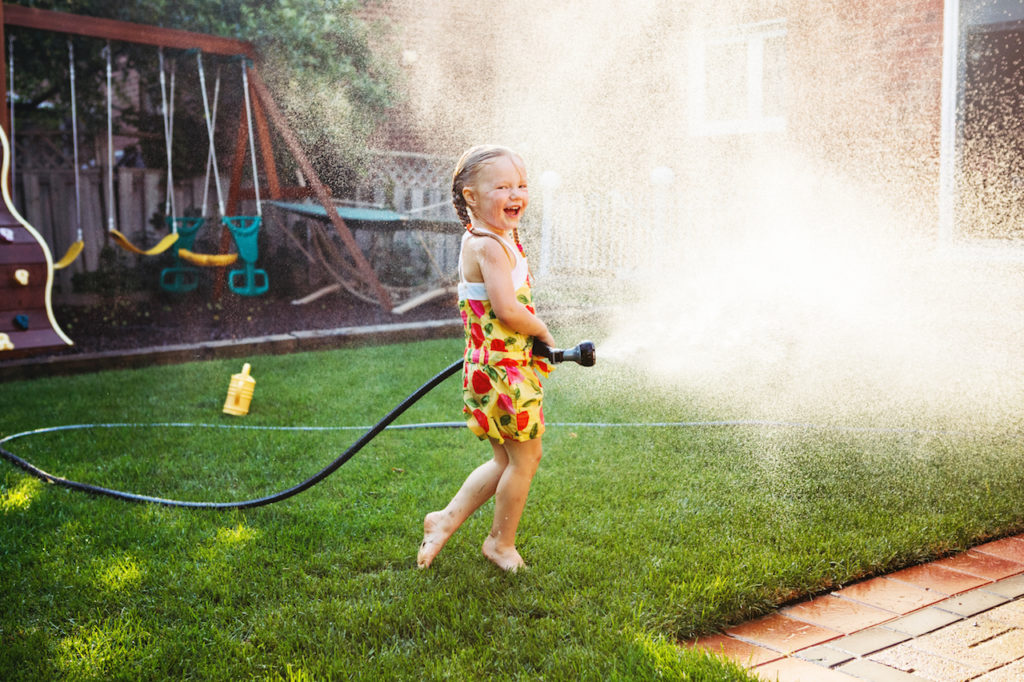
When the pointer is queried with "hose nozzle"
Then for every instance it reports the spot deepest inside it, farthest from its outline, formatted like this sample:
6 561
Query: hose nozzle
583 353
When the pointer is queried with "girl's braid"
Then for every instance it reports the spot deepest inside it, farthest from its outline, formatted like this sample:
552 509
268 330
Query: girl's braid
459 202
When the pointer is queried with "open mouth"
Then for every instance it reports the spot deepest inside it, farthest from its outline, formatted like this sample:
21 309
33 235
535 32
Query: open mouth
513 211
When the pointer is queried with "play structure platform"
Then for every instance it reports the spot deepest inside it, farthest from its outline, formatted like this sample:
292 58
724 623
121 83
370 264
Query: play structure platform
27 324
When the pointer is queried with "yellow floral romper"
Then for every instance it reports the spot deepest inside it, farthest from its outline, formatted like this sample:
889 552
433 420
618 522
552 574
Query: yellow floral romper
501 379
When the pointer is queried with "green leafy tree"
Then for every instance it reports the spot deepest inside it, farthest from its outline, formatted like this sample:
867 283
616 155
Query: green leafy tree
314 54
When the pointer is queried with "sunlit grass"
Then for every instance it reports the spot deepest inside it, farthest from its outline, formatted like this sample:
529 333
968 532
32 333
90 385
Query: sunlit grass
637 538
120 574
20 496
105 649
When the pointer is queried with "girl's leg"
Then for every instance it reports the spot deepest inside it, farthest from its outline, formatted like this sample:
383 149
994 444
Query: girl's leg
509 501
479 486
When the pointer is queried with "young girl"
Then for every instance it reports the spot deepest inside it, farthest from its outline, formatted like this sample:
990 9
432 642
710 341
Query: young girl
502 391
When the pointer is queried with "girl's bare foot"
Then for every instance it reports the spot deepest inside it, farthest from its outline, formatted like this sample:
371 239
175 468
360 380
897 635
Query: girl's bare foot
507 559
435 534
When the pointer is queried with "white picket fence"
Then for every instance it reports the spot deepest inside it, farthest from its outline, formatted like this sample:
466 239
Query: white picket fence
588 232
418 185
581 231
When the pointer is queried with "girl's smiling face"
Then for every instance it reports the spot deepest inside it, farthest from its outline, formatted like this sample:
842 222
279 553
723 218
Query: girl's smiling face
498 195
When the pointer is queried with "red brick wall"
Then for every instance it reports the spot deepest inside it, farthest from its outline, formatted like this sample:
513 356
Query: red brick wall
877 111
864 82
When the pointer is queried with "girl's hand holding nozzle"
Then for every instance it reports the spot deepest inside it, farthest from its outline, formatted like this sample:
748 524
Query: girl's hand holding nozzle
583 353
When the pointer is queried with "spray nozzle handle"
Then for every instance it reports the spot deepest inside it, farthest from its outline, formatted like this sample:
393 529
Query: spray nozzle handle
583 353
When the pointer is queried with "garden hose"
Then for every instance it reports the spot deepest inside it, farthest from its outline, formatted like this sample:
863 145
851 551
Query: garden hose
722 423
260 501
583 354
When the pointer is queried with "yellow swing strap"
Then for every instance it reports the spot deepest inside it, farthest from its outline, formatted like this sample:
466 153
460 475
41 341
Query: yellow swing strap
76 248
162 246
119 238
208 260
70 256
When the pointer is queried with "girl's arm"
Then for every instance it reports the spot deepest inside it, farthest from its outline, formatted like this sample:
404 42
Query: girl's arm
497 276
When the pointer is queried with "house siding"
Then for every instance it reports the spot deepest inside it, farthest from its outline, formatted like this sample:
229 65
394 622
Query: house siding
863 90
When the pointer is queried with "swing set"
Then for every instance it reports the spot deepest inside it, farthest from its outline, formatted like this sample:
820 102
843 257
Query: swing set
256 117
250 280
78 245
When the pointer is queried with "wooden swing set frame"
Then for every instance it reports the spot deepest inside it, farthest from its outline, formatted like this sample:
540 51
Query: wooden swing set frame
265 113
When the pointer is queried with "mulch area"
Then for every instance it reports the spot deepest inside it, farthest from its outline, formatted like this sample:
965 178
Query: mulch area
128 322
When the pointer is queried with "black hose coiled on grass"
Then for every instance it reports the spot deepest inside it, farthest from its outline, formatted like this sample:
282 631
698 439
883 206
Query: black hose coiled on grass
258 502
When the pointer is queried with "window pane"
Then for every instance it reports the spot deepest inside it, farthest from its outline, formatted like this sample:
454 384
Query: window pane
774 75
726 78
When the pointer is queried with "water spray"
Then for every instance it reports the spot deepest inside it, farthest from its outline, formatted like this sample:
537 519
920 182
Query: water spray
582 353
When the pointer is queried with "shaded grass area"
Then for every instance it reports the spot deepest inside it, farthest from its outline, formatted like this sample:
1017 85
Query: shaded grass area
637 537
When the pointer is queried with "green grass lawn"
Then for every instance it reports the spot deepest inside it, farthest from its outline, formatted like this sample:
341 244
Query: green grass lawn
637 538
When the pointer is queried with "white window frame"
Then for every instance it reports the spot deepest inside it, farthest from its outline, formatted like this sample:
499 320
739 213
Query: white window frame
754 37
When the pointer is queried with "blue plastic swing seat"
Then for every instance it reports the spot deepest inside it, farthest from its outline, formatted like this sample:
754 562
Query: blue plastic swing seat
181 278
187 228
254 281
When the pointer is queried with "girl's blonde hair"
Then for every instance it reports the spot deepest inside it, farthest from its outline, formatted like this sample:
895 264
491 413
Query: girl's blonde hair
466 170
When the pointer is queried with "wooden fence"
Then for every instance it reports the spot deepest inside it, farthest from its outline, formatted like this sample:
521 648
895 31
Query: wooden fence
418 185
46 199
580 232
602 233
44 194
